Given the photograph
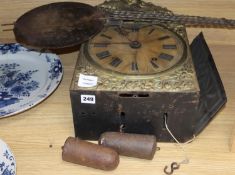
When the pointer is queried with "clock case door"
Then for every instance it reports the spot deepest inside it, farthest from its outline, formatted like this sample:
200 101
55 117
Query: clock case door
136 112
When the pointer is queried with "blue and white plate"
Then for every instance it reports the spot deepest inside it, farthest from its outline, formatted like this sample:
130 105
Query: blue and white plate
7 160
26 78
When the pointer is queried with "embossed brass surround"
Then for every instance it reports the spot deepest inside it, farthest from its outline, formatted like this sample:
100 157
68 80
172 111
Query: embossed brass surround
132 5
180 78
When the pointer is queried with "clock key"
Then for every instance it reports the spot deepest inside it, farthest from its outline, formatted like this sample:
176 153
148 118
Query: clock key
169 46
115 62
104 54
166 56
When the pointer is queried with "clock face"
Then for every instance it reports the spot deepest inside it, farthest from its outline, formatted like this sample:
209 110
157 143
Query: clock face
135 50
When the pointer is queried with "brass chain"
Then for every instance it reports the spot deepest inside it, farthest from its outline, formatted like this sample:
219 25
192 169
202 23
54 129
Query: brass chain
188 21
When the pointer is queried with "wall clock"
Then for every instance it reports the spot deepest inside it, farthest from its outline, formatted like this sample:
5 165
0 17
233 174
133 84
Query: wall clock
136 49
135 68
144 71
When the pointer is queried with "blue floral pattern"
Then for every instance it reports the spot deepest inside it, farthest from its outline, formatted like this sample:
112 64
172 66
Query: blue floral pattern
7 160
55 68
17 82
11 48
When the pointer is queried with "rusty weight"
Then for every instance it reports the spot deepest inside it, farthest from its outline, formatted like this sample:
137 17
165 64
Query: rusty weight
58 25
133 145
89 154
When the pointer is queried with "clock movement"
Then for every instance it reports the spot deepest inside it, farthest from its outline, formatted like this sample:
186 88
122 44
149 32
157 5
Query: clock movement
136 69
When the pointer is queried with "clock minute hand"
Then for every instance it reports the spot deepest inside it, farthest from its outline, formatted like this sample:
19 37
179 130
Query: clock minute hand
108 43
124 33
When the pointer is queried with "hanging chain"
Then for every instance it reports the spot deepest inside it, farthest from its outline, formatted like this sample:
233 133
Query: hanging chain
188 21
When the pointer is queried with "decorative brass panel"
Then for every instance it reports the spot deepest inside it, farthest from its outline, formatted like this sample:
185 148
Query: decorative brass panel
181 78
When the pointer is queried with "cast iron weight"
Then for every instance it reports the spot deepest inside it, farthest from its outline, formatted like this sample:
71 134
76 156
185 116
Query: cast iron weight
131 145
89 154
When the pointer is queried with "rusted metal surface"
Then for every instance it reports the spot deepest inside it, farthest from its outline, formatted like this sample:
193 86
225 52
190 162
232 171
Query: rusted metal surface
89 154
58 25
132 145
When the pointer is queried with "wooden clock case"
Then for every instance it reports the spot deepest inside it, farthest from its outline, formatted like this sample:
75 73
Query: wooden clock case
139 106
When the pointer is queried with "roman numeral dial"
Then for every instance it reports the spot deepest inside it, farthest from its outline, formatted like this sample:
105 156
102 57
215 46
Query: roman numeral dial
136 50
115 62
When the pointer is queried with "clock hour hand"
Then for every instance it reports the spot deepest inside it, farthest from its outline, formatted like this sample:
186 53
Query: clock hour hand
123 33
106 44
135 32
149 37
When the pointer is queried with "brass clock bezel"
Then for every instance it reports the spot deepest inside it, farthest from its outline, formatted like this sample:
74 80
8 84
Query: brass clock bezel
141 76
